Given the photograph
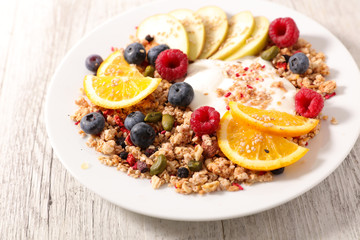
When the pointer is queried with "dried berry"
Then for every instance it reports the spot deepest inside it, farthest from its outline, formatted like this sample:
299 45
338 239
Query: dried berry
120 141
131 160
123 155
183 172
142 166
148 152
149 38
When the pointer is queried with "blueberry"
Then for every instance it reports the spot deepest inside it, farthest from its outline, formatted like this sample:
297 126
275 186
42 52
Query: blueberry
298 63
92 123
93 62
181 94
183 172
154 52
135 53
278 171
123 155
142 135
133 118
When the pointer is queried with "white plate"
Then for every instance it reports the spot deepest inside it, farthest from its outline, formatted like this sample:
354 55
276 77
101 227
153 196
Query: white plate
327 150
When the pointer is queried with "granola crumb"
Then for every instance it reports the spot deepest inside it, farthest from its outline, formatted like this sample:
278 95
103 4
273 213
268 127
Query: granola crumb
155 182
334 121
325 117
85 165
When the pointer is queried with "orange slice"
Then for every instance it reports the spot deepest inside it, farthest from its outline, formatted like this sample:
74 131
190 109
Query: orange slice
116 65
256 150
271 121
118 91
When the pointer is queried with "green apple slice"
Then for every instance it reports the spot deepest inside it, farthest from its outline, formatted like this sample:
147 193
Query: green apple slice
241 26
216 27
256 42
194 28
166 30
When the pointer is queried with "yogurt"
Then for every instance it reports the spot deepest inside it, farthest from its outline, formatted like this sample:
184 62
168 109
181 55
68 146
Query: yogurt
251 79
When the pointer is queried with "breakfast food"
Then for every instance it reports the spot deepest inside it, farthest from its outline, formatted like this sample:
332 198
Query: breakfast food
216 27
202 103
241 27
195 30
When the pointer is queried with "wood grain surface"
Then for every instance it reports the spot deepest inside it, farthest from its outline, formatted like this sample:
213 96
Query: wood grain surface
39 199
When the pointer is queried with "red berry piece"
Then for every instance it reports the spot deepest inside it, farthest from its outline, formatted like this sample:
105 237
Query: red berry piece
283 32
131 160
171 64
308 103
204 120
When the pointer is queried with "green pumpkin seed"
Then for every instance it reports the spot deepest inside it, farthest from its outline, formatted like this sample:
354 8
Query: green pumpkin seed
167 122
195 166
270 53
153 117
149 71
159 166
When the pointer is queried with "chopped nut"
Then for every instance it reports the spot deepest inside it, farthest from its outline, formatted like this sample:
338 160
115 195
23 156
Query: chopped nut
210 187
209 146
198 152
155 182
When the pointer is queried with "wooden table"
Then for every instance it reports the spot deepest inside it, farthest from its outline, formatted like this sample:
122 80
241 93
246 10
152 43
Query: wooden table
40 200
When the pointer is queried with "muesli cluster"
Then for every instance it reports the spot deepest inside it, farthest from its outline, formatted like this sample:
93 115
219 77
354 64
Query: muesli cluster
162 139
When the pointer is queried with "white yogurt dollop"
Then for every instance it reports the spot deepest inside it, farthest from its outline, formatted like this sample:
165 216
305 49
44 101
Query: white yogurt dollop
206 76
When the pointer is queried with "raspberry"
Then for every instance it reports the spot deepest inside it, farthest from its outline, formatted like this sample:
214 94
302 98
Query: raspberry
204 120
171 64
283 32
308 103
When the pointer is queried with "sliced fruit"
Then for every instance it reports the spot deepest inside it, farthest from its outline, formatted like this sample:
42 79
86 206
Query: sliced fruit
194 28
256 150
256 42
271 121
115 65
241 26
118 91
165 29
216 27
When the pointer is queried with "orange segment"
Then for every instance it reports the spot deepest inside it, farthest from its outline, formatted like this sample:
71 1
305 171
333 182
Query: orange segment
256 150
118 91
116 65
271 121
